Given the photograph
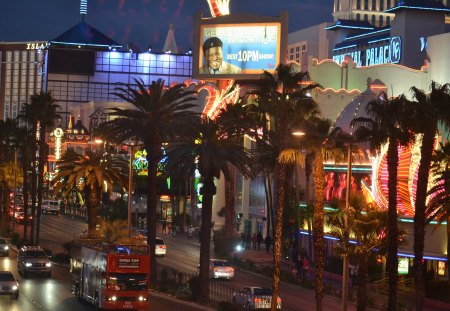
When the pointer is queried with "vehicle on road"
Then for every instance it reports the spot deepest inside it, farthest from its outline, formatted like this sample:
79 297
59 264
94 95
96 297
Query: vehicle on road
110 276
9 285
51 207
160 247
20 218
219 268
4 247
15 211
254 298
33 259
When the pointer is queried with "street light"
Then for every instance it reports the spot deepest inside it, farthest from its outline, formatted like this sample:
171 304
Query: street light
346 233
130 189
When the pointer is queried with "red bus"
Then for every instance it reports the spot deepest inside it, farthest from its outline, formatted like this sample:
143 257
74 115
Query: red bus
112 277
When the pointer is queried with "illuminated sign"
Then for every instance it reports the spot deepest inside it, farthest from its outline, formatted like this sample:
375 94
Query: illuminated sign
234 49
37 45
58 133
403 265
389 53
128 263
140 163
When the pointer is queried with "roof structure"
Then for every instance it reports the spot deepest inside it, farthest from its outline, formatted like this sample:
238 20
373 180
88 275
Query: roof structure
351 24
422 5
84 34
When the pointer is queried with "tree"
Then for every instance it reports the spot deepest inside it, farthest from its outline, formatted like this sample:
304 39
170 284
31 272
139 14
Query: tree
211 150
428 111
367 225
158 114
40 114
388 123
282 103
87 174
439 195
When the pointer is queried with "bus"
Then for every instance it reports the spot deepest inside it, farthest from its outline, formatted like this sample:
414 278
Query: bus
110 276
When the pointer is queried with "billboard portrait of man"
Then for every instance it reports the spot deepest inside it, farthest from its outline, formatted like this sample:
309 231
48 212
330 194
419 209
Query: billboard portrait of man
213 54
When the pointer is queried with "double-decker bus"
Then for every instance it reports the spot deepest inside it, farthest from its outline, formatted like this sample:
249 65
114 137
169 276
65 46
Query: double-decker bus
112 277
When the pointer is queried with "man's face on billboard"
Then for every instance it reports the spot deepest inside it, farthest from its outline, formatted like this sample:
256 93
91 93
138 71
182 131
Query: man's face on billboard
214 57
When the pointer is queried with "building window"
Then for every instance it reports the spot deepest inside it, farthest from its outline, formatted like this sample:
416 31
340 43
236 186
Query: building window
366 5
291 50
373 20
297 55
382 5
297 49
304 47
291 57
358 4
388 20
374 5
381 21
358 17
366 17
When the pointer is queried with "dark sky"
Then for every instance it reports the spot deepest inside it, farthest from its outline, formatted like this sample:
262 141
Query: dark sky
143 22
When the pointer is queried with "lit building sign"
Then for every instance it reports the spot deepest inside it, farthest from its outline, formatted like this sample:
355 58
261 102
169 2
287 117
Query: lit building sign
235 49
140 163
37 45
58 133
388 53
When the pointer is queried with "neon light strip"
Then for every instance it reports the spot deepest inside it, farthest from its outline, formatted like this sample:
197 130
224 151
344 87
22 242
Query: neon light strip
86 44
83 7
345 47
367 34
416 8
351 27
344 168
374 41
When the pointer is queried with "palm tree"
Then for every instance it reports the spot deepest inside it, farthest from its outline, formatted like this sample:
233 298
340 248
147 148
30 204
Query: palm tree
157 115
439 195
40 114
388 123
87 174
282 103
211 150
429 110
367 225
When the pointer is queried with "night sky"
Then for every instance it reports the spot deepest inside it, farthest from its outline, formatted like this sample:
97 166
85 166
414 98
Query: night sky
142 22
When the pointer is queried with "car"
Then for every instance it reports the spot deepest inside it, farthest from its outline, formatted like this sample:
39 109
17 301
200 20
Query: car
15 211
4 247
254 298
160 247
9 285
33 259
20 218
51 207
220 268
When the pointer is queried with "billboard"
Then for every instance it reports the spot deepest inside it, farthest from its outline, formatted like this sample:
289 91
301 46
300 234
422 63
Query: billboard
239 48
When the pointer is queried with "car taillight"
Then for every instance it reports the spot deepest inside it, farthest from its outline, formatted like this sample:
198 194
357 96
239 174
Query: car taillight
216 269
278 300
257 300
162 246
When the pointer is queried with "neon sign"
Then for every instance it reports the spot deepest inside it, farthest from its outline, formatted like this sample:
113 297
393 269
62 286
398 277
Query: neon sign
37 45
58 133
389 53
140 163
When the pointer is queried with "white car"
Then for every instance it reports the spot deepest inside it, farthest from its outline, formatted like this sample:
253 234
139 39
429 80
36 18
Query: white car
4 247
9 285
51 207
160 247
254 298
219 268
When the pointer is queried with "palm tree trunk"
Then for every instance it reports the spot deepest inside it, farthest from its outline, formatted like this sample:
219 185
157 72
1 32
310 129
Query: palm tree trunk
392 259
151 207
267 189
318 224
208 190
448 244
277 241
40 186
93 204
230 213
361 303
25 191
426 152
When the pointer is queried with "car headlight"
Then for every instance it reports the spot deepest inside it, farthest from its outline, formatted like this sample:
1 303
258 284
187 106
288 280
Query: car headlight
112 298
48 264
28 264
142 298
15 287
6 247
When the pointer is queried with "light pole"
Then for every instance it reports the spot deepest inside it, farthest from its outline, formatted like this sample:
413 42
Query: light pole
346 233
130 190
15 190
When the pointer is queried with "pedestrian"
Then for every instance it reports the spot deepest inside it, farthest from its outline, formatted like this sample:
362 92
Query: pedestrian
354 275
268 242
305 266
190 232
299 266
254 240
248 240
164 227
259 238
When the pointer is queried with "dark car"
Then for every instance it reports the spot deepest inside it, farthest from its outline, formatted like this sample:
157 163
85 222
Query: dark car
33 259
20 218
254 298
9 285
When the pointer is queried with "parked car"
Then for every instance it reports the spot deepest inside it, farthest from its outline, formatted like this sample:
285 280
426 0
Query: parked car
160 247
219 268
9 285
4 247
254 298
33 259
20 218
51 207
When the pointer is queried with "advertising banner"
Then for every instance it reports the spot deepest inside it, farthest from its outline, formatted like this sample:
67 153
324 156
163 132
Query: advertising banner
239 49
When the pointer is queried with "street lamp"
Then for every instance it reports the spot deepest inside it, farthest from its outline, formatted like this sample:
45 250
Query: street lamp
130 190
345 271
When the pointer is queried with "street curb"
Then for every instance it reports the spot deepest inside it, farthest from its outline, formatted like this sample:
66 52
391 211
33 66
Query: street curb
174 299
